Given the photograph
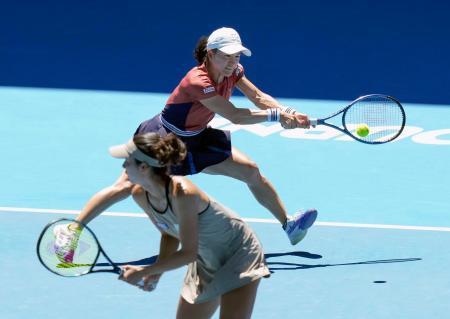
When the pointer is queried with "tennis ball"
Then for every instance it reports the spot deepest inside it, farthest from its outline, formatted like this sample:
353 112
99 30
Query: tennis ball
362 130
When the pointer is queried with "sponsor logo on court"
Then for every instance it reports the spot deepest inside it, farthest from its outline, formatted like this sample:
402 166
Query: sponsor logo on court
323 133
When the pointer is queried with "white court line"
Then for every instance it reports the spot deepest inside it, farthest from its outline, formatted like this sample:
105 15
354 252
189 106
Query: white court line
251 220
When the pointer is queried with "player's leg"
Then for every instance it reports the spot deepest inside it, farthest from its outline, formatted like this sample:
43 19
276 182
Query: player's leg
196 311
238 303
240 167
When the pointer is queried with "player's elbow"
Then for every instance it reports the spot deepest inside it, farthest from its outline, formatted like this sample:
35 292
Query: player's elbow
236 117
190 255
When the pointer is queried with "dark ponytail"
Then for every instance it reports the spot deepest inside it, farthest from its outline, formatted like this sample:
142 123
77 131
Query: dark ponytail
200 50
168 150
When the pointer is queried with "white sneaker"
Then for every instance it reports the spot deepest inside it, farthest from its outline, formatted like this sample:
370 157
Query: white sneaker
297 227
66 241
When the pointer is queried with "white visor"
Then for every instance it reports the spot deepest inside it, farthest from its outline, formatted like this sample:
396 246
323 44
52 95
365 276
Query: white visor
130 149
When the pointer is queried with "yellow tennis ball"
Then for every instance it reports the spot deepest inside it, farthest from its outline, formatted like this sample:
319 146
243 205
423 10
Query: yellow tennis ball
362 130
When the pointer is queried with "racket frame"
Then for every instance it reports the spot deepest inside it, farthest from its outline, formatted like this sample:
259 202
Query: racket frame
116 269
322 121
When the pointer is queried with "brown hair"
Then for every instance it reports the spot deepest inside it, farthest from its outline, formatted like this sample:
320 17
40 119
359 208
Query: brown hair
200 52
168 150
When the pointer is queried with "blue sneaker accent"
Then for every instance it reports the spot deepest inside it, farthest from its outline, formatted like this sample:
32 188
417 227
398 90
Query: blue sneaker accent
297 226
306 219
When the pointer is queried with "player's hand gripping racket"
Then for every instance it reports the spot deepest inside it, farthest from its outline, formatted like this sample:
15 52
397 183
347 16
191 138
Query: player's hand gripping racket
73 254
370 119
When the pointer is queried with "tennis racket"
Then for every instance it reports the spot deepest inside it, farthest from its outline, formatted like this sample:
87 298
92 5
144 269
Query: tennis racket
82 261
382 114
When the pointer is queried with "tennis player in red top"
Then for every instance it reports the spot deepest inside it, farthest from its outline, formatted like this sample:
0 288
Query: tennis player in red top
202 93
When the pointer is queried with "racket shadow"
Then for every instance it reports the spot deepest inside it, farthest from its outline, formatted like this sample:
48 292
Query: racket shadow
279 265
152 259
302 254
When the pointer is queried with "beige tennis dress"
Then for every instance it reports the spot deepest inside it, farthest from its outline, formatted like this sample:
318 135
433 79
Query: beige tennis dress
229 254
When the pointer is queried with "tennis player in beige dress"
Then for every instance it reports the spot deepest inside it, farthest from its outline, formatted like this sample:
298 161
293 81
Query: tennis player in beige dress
225 259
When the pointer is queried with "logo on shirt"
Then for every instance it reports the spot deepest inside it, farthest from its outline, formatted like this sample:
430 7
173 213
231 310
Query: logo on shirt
209 89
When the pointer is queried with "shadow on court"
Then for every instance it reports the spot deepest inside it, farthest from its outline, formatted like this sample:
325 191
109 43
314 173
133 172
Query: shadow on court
279 265
152 259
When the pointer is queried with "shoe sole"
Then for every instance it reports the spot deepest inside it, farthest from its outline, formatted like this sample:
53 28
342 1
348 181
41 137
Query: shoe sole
299 238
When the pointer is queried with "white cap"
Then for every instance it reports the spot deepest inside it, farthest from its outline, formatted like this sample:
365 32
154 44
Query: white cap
228 41
130 149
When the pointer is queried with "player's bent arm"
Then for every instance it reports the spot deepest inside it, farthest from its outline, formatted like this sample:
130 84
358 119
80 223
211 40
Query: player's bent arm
167 246
218 104
186 205
258 97
265 101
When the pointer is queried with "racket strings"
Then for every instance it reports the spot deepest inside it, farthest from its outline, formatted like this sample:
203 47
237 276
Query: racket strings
83 254
384 117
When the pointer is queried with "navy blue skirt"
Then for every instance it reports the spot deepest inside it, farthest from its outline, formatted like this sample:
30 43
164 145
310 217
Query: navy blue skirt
210 147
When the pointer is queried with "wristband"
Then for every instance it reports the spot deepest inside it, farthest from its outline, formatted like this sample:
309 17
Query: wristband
273 114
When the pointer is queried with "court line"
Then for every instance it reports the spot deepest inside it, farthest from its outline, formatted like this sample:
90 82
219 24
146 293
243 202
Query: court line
251 220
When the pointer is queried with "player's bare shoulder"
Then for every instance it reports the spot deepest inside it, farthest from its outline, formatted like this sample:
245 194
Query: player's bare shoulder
182 187
185 192
138 194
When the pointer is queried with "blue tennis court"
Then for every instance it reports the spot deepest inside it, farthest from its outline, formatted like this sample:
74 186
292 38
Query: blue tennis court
378 250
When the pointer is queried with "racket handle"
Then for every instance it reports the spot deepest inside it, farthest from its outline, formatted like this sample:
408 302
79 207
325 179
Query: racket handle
140 282
313 122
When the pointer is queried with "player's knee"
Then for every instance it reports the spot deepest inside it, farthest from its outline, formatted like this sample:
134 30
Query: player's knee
252 175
